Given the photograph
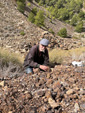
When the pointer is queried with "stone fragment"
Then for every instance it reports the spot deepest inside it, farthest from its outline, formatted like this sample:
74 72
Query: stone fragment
48 75
48 94
10 112
28 95
41 93
56 84
70 91
76 107
71 80
2 83
49 82
52 103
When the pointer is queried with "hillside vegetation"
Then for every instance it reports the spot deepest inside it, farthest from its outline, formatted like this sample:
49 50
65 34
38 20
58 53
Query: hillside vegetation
68 11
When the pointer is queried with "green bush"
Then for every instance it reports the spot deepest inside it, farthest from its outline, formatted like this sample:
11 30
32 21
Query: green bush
39 18
74 20
63 14
63 32
51 31
79 27
29 4
81 14
34 11
41 2
31 17
22 33
21 6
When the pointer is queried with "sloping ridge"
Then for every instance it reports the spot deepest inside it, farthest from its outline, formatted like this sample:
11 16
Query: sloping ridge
13 23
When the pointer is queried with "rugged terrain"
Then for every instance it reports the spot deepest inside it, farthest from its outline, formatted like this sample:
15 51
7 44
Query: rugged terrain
61 90
13 24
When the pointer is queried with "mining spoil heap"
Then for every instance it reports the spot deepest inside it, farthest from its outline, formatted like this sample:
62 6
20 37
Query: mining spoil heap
62 90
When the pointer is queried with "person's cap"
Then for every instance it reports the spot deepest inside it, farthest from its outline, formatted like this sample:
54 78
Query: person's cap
44 42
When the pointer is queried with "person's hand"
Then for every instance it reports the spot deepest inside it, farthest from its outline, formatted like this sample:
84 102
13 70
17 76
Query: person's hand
45 68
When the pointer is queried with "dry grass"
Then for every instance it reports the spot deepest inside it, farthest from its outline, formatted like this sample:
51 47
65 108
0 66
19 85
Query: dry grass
6 57
78 53
61 56
10 64
57 55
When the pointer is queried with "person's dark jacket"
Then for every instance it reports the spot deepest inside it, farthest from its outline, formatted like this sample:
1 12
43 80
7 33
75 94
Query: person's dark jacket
35 58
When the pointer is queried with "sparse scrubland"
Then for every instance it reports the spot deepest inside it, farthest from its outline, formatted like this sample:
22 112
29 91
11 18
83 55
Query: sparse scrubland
11 64
60 56
6 56
56 55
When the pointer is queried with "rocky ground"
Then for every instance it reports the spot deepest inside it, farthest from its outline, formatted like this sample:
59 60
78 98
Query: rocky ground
62 90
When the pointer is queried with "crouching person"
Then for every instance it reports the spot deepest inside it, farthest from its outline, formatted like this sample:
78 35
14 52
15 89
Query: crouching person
37 57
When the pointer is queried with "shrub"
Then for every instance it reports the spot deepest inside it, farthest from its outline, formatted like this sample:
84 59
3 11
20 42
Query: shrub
79 27
40 2
63 14
22 33
34 11
31 17
81 14
21 6
74 20
39 18
63 32
10 64
6 57
29 4
51 31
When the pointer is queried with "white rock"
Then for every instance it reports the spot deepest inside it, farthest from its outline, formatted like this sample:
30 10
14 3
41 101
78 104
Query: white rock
75 63
2 83
52 103
76 106
10 112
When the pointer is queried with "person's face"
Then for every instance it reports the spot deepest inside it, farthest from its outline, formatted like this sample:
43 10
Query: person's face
42 48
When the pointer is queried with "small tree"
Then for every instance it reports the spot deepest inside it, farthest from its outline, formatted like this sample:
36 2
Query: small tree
63 14
81 14
34 10
31 17
79 27
21 6
74 20
63 32
39 18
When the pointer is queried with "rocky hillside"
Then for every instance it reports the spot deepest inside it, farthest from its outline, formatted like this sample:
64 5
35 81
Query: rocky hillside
18 34
13 23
